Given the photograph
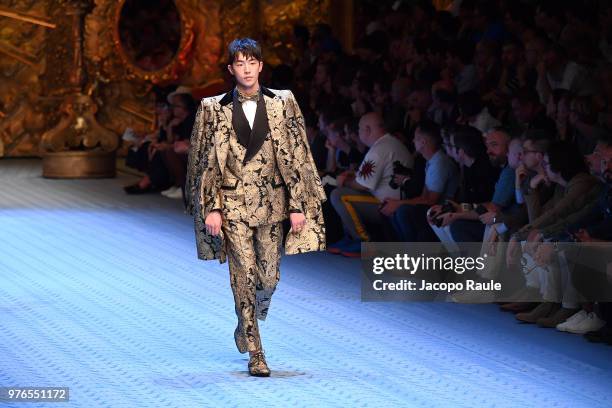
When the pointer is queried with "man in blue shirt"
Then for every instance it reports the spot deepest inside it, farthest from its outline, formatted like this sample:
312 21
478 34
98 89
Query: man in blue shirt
409 217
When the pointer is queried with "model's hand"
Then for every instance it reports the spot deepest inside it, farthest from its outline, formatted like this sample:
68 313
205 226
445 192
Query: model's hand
213 223
298 220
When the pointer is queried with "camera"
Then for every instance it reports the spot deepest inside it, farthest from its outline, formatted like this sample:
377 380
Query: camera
447 207
400 170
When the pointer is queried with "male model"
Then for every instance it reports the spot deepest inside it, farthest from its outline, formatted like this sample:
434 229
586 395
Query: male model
250 168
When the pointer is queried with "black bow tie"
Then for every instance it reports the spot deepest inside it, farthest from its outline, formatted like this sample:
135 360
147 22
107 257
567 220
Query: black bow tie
243 98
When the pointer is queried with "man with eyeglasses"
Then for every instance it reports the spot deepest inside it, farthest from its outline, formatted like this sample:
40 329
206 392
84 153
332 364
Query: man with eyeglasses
531 174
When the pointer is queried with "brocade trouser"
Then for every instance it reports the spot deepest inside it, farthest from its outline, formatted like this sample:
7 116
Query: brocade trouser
254 259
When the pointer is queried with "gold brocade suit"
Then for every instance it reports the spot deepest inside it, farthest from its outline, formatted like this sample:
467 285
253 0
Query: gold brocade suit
255 194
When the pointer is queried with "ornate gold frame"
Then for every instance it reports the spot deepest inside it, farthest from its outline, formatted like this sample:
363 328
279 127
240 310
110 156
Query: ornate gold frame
180 61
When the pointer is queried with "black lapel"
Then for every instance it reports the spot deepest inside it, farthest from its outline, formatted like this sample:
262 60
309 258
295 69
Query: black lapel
240 123
267 92
259 131
251 139
227 98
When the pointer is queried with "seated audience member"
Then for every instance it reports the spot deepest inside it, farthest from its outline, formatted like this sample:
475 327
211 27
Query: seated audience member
478 177
459 59
316 139
474 113
174 155
574 119
530 114
587 263
469 226
556 71
488 66
342 153
444 110
441 182
138 155
575 188
359 194
168 154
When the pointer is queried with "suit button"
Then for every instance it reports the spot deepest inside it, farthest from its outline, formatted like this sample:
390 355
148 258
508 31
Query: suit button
246 184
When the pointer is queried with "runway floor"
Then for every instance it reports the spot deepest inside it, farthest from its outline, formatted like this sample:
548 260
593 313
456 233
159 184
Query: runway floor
102 293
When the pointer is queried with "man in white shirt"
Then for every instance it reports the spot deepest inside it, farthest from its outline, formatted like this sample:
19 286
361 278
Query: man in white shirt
359 194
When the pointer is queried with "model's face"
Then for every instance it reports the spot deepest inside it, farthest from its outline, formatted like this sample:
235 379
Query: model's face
246 71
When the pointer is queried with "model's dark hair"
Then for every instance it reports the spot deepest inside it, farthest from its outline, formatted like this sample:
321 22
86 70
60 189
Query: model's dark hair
245 46
565 159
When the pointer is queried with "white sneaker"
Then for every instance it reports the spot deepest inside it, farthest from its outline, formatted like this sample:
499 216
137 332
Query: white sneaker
572 321
176 194
591 323
171 190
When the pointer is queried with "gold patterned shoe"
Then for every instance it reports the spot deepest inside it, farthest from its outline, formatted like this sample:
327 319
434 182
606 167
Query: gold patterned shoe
258 366
241 342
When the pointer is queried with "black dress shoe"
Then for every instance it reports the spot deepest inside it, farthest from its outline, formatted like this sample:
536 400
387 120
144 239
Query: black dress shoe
136 189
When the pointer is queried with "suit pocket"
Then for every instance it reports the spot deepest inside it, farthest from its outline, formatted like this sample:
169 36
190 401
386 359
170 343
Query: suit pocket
229 184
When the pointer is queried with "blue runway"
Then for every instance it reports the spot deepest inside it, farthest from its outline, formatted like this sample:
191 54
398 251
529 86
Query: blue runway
102 293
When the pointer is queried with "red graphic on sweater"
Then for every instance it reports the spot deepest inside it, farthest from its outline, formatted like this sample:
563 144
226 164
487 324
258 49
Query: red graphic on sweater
367 169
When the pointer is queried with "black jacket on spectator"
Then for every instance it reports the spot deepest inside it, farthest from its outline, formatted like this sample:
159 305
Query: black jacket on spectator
478 181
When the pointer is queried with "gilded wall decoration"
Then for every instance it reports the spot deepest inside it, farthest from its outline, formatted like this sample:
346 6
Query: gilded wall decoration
37 57
23 62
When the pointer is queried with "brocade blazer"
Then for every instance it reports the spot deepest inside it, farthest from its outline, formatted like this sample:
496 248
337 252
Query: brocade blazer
296 172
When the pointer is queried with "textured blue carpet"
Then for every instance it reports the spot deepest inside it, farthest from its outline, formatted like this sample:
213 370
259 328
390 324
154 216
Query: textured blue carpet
102 293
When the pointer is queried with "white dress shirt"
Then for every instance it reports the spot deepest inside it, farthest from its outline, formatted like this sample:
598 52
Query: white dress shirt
249 108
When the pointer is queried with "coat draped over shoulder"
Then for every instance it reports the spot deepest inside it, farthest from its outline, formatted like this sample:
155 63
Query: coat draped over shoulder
206 163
